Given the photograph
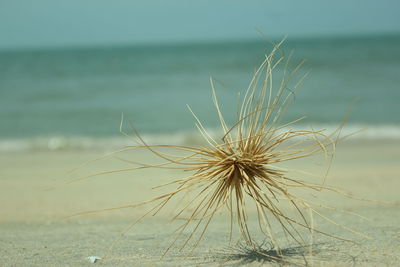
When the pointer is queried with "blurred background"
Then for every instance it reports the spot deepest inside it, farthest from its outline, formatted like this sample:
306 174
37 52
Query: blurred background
69 69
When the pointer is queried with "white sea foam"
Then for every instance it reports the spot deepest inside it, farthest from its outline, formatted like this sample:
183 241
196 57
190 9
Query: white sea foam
54 143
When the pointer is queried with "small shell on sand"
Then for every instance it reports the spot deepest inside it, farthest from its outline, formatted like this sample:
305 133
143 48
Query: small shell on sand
93 259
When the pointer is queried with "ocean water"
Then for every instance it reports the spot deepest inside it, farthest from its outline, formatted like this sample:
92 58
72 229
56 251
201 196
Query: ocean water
57 98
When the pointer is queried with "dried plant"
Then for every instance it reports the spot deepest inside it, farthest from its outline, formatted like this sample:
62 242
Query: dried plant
242 168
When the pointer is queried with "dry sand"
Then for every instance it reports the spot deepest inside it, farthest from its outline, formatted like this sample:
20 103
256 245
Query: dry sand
33 231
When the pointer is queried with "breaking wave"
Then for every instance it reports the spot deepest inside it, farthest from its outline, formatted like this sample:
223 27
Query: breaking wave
54 143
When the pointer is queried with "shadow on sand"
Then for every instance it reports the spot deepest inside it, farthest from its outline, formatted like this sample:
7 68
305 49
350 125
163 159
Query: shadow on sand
266 254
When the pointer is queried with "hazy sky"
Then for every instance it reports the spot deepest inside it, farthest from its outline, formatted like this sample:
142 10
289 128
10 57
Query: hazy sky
36 23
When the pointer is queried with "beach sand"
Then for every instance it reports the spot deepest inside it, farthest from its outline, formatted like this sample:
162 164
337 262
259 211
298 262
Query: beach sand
34 202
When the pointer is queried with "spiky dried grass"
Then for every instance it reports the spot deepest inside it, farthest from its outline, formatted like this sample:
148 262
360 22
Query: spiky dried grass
242 167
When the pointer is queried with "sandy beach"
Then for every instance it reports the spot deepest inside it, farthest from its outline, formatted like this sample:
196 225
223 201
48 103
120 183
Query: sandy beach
243 101
34 202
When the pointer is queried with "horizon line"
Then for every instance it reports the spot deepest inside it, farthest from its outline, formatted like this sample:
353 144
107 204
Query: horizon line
183 43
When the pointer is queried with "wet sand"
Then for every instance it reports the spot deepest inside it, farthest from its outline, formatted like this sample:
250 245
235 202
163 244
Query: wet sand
34 202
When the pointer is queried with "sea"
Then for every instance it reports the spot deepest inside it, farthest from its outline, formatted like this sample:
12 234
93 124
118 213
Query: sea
75 98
